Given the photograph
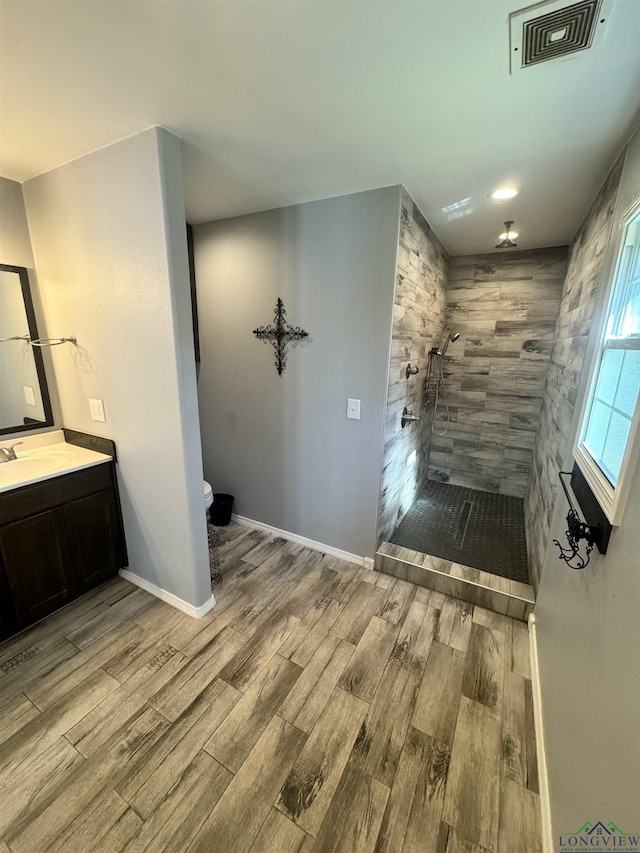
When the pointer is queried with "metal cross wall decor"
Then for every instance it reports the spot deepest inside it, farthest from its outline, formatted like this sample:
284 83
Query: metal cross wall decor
280 334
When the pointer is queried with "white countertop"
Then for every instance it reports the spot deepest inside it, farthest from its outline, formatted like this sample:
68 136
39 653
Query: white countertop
42 457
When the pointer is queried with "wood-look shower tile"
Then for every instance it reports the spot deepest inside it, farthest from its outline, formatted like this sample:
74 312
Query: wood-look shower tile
522 834
353 821
309 788
33 784
32 670
382 734
307 636
15 713
451 841
484 669
429 799
279 835
514 735
490 619
414 756
88 830
355 617
438 698
240 812
530 730
61 808
432 598
271 545
516 609
236 735
178 817
45 729
149 780
364 670
413 644
174 696
472 808
177 798
119 834
97 725
76 669
43 634
124 609
454 625
249 660
518 648
307 699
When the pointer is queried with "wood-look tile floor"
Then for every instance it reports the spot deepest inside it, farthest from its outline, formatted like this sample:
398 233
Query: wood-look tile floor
318 707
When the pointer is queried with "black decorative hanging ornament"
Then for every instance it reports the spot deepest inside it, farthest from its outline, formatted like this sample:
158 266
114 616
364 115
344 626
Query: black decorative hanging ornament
280 334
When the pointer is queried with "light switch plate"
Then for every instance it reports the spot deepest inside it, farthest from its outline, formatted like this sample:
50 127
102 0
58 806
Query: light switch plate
96 407
353 409
29 396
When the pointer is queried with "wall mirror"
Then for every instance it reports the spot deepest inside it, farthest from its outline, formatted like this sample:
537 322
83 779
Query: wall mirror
24 396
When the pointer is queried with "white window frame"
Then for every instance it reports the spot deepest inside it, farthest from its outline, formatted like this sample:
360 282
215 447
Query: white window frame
611 498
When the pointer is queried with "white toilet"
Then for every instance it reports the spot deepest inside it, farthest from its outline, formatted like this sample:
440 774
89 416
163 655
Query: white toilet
208 495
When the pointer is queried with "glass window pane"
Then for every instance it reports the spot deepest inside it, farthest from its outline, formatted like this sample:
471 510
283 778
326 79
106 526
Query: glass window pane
614 445
597 429
628 383
609 375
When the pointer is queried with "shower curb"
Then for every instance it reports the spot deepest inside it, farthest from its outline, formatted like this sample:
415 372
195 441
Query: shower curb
493 592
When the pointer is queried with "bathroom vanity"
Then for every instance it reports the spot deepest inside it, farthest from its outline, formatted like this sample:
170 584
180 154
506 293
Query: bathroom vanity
61 531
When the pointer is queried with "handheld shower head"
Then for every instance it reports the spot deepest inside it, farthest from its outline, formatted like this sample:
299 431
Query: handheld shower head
451 338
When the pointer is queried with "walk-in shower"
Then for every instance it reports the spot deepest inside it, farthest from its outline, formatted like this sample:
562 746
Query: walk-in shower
453 522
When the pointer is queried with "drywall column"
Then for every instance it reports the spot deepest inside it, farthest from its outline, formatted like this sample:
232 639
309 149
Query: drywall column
588 628
109 242
283 444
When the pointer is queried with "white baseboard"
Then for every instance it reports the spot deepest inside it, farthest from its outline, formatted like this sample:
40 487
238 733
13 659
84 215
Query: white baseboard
543 778
169 597
367 562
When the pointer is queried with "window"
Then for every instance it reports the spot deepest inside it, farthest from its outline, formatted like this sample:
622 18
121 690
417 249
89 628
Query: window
610 424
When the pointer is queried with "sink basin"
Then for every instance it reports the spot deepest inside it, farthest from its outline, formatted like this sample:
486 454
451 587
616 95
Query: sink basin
34 464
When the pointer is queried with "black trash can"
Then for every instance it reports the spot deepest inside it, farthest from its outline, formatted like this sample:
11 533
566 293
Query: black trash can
221 509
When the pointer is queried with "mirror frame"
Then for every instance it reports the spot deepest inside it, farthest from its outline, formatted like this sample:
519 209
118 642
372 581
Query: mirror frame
37 355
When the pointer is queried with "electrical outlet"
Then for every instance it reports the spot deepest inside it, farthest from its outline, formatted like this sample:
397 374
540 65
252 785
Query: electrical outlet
29 396
96 407
353 409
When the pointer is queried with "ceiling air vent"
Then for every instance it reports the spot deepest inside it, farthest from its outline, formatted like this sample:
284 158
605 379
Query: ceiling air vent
553 30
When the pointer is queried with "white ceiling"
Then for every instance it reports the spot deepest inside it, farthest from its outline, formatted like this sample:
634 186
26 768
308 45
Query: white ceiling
283 102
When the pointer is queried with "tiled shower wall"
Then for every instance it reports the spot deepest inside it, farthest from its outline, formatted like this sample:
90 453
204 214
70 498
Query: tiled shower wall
586 259
418 317
505 307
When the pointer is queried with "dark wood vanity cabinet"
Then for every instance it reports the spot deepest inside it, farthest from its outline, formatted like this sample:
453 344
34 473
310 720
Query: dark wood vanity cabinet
59 538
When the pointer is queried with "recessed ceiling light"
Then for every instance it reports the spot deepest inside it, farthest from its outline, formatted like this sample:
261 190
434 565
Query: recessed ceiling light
503 193
512 235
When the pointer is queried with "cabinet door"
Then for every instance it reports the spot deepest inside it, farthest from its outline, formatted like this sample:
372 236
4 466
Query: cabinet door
8 622
94 538
38 565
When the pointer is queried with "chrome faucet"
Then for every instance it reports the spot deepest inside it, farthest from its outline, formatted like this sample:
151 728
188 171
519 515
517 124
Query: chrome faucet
8 454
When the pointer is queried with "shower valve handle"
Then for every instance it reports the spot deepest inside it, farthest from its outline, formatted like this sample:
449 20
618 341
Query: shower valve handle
408 417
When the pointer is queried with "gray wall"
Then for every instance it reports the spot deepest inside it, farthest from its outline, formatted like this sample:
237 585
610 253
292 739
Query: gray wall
109 241
418 317
588 627
586 260
282 444
505 307
15 243
15 249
